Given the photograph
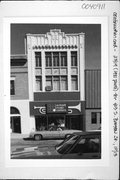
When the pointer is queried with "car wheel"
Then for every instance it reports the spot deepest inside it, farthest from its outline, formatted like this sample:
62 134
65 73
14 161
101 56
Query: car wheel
38 137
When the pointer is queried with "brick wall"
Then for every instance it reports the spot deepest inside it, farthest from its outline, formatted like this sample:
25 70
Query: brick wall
89 125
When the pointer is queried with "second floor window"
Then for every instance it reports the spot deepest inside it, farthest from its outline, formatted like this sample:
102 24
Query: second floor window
74 83
38 83
57 83
12 87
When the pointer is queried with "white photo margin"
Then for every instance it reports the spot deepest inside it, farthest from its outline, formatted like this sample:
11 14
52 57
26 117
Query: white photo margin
77 12
105 88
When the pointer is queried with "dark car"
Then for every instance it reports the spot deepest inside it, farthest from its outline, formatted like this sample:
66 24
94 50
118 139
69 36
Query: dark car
85 145
81 145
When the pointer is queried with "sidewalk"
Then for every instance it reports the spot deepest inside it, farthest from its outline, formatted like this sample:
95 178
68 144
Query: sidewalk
19 136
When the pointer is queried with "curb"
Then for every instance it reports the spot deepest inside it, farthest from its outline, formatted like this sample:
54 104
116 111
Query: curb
18 136
26 149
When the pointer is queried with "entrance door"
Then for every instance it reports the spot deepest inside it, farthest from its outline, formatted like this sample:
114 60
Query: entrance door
56 123
15 120
41 123
74 122
15 124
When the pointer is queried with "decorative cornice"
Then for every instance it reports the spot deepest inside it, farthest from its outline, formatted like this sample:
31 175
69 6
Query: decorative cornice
55 47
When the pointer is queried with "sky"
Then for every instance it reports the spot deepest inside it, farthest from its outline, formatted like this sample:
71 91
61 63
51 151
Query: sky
92 39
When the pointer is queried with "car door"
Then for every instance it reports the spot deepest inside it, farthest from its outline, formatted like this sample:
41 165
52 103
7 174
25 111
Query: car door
88 147
62 133
53 133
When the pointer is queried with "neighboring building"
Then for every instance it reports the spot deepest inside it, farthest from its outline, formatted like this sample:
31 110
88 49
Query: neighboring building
93 99
48 84
19 110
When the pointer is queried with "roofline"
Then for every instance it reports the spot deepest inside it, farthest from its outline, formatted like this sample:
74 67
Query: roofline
93 69
75 34
18 56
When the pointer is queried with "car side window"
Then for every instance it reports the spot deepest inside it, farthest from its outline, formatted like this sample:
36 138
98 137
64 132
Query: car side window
87 145
91 145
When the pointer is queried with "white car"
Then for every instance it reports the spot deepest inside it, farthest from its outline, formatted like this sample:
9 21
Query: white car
51 134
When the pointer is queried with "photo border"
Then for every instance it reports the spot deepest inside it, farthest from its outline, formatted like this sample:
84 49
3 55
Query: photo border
17 10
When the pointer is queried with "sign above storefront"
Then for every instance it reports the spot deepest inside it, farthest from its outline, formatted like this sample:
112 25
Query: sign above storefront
69 108
56 108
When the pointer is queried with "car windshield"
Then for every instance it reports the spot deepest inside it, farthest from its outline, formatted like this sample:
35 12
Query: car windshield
66 139
64 147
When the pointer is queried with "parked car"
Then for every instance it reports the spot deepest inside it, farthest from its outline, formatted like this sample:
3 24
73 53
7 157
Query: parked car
79 145
85 145
51 133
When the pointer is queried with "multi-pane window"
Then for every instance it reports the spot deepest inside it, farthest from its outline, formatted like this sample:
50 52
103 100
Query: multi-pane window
12 87
63 83
57 83
94 118
74 83
56 59
49 81
74 58
48 57
63 58
56 72
38 83
100 117
38 59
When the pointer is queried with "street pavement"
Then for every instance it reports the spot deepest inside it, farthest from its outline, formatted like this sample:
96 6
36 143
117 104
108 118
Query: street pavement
22 146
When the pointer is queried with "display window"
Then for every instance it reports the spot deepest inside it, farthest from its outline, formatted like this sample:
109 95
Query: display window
58 122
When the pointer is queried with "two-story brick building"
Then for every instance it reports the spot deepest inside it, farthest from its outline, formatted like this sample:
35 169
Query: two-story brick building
92 99
19 110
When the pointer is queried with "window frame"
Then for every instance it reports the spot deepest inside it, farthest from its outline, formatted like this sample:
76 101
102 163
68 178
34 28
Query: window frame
38 59
12 80
48 59
94 120
74 76
74 59
40 82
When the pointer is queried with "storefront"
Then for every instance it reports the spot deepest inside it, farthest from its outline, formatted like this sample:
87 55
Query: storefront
56 63
57 115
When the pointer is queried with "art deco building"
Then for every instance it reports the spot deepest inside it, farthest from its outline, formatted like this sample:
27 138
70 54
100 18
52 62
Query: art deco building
56 79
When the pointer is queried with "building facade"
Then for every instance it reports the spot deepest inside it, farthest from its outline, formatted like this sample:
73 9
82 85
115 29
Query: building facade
92 99
19 110
48 84
56 79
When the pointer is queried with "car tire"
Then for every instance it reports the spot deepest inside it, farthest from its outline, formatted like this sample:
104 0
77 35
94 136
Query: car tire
38 137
